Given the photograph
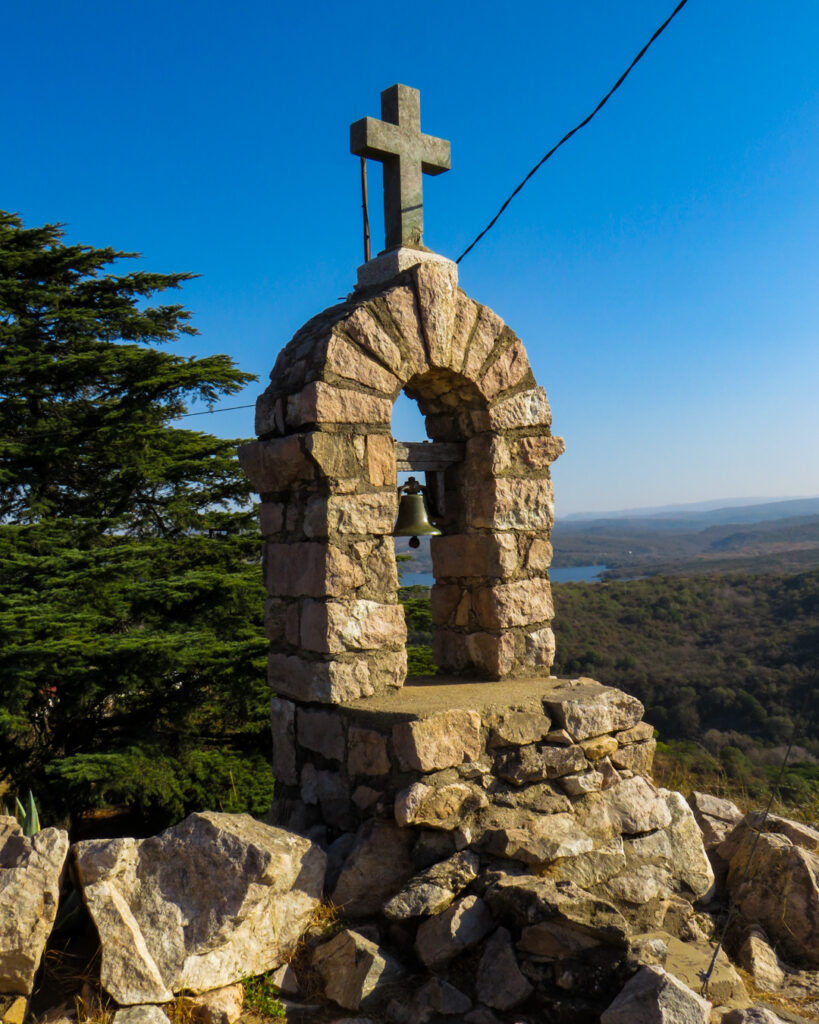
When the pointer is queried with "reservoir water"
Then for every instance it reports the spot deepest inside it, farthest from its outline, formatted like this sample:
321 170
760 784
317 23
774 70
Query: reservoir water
569 574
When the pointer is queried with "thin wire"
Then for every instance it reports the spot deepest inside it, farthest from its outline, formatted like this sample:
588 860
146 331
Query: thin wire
577 127
41 434
759 829
210 412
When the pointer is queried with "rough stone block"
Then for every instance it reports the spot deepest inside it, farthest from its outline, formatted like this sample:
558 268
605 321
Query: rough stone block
276 465
460 927
309 569
536 839
345 360
474 554
319 681
637 757
486 654
539 648
271 518
539 453
510 503
378 865
365 329
338 626
530 899
445 598
513 604
516 728
364 514
318 402
500 981
436 285
487 453
653 996
627 808
356 973
585 708
599 747
441 740
381 460
433 890
536 763
403 310
539 556
219 1006
31 870
269 414
441 807
465 320
283 731
638 733
367 752
334 455
330 792
322 732
484 338
526 409
215 898
509 369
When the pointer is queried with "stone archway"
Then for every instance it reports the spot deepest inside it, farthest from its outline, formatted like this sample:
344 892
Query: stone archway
325 468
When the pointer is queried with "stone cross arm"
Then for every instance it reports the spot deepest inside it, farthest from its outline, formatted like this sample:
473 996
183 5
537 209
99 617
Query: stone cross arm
380 140
405 152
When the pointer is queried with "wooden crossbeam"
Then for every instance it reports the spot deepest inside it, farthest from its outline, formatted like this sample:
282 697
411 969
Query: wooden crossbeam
427 456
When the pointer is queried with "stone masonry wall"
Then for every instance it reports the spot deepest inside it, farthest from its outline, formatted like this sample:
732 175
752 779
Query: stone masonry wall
325 468
549 777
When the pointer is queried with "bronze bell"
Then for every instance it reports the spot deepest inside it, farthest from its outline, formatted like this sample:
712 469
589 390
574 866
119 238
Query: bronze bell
412 520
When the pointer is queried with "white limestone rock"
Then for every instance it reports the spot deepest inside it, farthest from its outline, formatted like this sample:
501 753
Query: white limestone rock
458 928
30 875
355 972
433 890
141 1014
586 708
653 996
782 892
205 903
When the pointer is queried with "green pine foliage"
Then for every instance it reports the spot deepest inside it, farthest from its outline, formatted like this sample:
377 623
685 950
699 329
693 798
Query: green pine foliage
131 641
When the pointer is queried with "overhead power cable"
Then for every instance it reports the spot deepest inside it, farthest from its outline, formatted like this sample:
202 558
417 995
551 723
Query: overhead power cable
577 127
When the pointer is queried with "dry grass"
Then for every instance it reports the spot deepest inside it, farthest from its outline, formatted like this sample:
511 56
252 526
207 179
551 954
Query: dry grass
804 1008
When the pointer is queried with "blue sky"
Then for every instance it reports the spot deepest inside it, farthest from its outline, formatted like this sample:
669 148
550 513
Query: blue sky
661 268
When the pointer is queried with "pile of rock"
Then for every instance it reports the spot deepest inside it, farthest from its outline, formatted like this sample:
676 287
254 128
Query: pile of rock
509 860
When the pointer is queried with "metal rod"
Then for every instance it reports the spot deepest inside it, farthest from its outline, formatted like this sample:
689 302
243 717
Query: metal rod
365 209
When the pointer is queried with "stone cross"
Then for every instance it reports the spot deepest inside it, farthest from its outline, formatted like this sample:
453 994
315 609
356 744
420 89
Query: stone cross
405 152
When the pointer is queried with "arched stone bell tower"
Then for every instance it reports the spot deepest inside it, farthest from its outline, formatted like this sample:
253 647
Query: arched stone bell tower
325 467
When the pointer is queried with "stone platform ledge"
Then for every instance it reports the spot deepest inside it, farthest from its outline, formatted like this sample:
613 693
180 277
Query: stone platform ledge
387 265
352 760
583 707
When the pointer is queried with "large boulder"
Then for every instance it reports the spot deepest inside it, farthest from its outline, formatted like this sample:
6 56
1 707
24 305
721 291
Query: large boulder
653 996
30 874
205 903
779 888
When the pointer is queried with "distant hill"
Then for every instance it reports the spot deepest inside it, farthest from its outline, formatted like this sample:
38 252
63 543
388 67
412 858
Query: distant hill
723 510
773 536
760 538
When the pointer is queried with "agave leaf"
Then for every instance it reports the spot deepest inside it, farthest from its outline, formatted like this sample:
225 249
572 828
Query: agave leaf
32 825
